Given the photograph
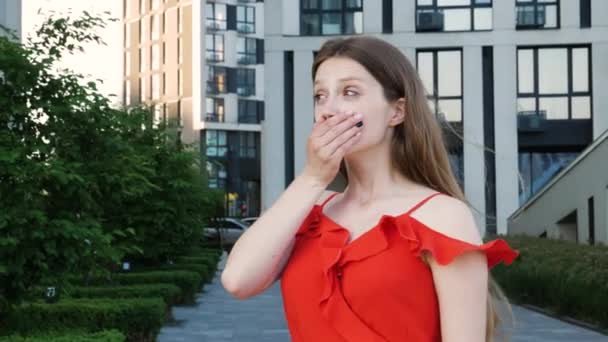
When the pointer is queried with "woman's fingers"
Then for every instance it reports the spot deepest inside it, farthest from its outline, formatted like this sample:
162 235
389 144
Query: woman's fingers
344 142
324 124
340 128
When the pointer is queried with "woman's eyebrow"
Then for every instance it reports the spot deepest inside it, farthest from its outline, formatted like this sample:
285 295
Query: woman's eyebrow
342 80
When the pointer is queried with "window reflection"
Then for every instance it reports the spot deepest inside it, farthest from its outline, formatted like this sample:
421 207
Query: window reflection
331 17
441 74
453 15
537 14
537 169
554 83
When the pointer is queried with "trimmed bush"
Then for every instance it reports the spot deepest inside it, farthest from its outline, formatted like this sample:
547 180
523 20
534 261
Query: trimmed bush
102 336
188 281
567 278
139 319
170 293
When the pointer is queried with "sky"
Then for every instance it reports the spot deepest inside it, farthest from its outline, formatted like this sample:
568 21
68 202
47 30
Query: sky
99 61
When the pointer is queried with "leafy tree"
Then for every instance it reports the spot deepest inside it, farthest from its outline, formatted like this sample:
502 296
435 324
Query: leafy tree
83 184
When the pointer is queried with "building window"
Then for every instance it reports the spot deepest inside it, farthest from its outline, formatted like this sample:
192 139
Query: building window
537 14
215 109
216 80
155 26
536 169
441 74
245 82
155 56
216 16
247 145
585 9
216 172
216 143
156 86
180 20
331 17
250 112
554 82
453 15
215 47
245 19
246 50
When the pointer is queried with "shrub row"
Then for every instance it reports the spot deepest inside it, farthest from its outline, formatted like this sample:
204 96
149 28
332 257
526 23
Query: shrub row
102 336
567 278
139 319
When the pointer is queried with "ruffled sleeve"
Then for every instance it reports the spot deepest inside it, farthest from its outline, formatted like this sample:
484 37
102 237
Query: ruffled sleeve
445 249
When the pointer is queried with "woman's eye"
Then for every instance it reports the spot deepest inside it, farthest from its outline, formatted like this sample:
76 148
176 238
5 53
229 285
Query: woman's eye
349 92
318 97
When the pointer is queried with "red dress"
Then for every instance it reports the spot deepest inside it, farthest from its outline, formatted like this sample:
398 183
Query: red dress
375 288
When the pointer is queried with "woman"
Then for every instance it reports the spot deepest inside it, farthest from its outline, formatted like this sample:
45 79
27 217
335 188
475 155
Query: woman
397 255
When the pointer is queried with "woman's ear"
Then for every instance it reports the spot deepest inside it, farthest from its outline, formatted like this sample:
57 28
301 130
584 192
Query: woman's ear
398 112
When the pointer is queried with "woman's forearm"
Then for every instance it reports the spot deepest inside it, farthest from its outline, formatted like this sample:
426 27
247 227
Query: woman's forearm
261 252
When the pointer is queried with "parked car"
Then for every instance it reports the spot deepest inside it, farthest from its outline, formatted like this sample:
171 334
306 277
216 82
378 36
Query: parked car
228 228
249 220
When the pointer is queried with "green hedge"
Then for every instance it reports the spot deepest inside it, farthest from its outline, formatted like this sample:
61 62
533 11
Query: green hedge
567 278
139 319
102 336
170 293
188 281
200 269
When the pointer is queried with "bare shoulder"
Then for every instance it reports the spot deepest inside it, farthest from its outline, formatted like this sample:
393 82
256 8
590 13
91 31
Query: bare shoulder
451 217
325 196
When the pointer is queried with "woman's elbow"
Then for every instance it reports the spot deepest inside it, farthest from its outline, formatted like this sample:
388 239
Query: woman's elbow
234 286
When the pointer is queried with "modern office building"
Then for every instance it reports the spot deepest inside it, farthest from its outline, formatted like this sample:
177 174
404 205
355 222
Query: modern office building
201 64
523 82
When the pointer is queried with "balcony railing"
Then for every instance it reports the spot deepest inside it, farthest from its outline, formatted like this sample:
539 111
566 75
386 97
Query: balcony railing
214 117
246 59
213 25
215 57
531 120
216 88
245 28
244 91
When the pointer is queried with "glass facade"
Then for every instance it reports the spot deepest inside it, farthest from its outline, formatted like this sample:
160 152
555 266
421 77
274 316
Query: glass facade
331 17
453 15
536 169
441 74
554 82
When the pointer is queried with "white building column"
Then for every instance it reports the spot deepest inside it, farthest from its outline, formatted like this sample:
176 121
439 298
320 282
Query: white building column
404 16
289 16
599 8
503 16
473 145
570 16
273 127
372 17
599 72
303 106
505 127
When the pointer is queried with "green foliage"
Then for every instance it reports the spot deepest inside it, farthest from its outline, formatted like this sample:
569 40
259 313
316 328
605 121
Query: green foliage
170 293
84 186
102 336
567 278
140 319
188 281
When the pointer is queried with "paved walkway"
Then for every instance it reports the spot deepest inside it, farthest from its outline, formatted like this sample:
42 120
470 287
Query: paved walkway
217 317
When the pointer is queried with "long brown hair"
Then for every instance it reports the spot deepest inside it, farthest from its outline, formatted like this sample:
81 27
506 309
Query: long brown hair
419 137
